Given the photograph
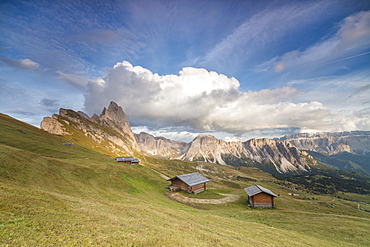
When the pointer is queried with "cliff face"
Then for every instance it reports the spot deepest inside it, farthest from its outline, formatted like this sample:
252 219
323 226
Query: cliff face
111 129
357 142
276 156
284 157
53 126
160 146
211 149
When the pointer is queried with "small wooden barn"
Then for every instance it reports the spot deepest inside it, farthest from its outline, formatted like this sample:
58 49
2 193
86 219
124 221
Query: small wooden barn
191 183
128 160
260 197
68 144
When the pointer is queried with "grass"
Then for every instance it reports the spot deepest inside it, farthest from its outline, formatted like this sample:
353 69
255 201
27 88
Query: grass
208 194
56 195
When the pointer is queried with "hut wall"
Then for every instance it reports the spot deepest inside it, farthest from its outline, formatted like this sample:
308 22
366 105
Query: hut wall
181 184
198 188
263 200
126 162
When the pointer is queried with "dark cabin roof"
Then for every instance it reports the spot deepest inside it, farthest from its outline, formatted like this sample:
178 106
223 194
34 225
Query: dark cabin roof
192 179
256 189
127 159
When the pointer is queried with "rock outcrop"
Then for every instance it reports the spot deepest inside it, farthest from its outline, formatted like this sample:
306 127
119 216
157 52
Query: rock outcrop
357 142
111 129
53 126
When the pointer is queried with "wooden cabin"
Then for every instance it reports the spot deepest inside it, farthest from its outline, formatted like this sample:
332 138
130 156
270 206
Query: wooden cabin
260 197
191 183
128 160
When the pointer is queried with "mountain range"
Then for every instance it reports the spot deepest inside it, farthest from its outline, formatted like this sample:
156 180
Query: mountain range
356 142
111 132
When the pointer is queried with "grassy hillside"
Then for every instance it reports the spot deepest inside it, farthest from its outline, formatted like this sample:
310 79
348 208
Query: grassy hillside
56 195
345 161
360 159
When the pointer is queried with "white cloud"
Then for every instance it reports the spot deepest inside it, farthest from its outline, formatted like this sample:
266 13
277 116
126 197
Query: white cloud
207 101
355 28
169 133
75 79
350 41
26 64
265 29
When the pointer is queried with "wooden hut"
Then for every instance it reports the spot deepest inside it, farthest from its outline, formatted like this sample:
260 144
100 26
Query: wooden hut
68 144
191 183
260 197
128 160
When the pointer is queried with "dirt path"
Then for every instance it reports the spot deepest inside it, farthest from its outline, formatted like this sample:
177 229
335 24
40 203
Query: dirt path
181 198
160 174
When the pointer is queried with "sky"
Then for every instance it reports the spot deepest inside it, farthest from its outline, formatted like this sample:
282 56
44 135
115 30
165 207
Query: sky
233 69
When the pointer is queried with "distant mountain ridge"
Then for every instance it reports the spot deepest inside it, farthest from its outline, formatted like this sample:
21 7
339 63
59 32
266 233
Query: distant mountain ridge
111 131
356 142
273 156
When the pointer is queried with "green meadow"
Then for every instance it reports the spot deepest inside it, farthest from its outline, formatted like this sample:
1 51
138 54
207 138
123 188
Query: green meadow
57 195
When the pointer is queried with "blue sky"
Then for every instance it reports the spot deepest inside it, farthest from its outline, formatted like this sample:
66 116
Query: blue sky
234 69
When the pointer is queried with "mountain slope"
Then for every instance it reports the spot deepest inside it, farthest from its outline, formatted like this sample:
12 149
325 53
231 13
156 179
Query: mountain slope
60 195
345 161
109 133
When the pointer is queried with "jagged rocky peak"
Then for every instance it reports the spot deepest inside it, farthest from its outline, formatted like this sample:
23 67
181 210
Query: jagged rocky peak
95 118
115 114
82 114
110 127
205 139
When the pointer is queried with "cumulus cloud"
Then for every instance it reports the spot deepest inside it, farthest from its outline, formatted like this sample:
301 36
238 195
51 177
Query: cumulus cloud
26 64
205 101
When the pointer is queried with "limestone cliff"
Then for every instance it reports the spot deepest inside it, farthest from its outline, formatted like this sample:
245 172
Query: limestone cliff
111 129
53 126
160 146
282 156
278 157
357 142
